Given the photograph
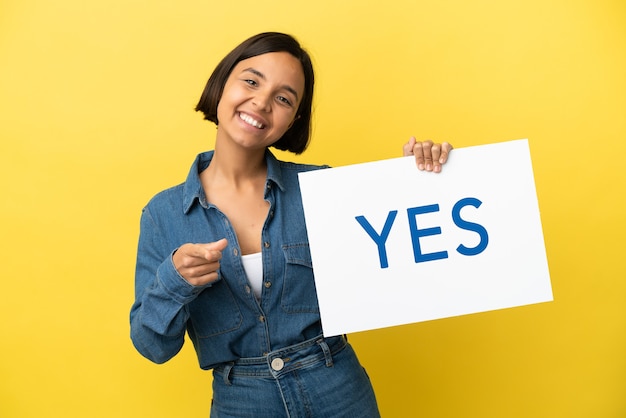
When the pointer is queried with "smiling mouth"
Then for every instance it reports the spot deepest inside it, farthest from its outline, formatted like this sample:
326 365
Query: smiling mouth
251 121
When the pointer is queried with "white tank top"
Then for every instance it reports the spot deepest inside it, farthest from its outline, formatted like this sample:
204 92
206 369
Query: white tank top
253 266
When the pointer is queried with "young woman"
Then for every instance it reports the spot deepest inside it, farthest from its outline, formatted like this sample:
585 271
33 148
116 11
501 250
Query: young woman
224 256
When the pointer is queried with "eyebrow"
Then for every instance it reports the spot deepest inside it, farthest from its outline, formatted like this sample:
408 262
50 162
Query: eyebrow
262 76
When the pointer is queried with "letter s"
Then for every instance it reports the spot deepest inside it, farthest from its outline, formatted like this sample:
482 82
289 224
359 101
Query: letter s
470 226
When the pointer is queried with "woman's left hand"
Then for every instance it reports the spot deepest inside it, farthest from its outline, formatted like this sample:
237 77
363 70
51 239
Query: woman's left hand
429 156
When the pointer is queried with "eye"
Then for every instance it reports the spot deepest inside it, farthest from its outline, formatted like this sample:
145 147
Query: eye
250 82
284 100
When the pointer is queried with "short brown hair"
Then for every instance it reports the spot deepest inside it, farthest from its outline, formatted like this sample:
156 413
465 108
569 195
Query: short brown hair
296 139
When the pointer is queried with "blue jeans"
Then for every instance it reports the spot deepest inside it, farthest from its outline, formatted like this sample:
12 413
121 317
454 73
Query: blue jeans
317 378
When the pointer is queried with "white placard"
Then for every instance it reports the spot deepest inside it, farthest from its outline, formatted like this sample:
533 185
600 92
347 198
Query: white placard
393 245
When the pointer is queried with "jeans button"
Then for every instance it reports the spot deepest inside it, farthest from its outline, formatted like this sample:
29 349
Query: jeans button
278 364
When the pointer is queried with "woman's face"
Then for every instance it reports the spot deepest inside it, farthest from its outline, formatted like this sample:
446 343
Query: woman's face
260 99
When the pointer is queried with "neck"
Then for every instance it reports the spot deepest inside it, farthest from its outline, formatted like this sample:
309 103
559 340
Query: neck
237 165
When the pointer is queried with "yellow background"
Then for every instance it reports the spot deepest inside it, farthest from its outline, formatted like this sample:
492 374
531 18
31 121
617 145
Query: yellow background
96 116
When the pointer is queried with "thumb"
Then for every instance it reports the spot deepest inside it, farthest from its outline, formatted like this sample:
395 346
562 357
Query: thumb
407 149
217 245
212 250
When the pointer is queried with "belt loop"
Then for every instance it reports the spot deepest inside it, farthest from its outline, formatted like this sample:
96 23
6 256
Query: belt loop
228 367
327 354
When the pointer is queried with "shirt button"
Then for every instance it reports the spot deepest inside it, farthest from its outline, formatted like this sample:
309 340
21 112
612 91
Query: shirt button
266 244
268 285
248 290
261 318
235 252
278 364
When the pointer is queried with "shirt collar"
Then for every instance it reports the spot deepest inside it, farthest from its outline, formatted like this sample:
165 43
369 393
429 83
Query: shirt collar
192 188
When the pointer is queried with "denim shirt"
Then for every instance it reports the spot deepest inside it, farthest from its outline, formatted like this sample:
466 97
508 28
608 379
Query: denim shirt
224 320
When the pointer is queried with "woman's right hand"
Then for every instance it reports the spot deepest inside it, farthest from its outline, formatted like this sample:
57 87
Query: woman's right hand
198 263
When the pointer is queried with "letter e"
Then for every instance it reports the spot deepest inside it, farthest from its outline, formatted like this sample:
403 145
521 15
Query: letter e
416 234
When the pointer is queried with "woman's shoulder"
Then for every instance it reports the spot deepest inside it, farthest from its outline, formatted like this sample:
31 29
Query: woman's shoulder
184 193
167 197
300 167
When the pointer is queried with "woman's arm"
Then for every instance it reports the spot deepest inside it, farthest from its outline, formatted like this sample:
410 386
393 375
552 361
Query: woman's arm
158 318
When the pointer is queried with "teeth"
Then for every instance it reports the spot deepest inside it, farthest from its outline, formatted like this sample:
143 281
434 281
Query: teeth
250 121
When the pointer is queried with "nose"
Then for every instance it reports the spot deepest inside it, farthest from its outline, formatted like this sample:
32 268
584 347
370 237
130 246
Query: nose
262 100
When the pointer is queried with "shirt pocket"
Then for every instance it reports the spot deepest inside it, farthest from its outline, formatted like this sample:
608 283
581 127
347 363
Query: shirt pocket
215 311
299 294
